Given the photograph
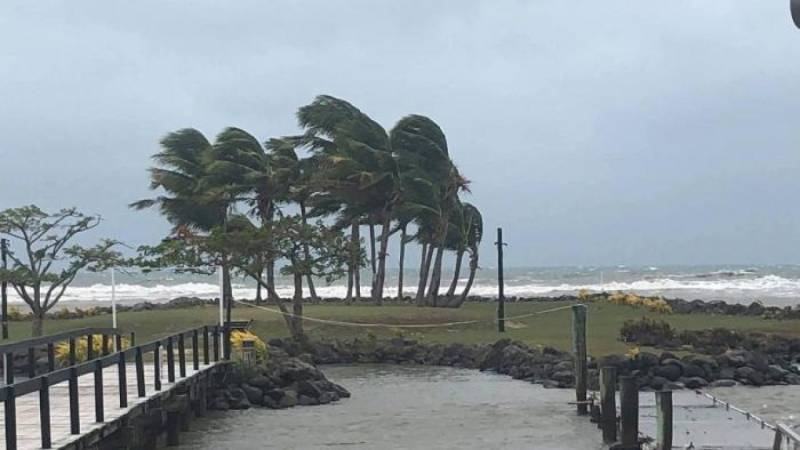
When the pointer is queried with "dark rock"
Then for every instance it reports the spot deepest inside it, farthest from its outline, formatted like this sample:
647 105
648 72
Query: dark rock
305 400
309 388
326 398
750 375
777 373
220 404
262 382
669 370
253 394
289 399
340 391
270 402
695 382
692 370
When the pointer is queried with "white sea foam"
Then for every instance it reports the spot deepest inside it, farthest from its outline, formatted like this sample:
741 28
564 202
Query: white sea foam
769 286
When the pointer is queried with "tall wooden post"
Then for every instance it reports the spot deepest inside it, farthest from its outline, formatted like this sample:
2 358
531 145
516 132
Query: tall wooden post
664 420
501 299
4 287
579 349
608 404
629 412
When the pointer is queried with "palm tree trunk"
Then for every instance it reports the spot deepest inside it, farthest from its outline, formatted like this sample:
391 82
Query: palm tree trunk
271 280
311 290
372 246
473 267
377 295
402 260
456 273
349 296
297 308
356 233
436 277
427 257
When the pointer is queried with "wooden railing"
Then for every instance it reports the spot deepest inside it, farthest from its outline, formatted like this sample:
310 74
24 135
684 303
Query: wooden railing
136 353
29 347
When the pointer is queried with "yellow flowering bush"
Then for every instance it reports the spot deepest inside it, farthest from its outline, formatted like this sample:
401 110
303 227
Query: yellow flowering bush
81 348
237 339
655 304
633 353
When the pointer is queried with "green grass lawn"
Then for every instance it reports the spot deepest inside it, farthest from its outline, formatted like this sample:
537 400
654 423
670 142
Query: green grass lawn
553 329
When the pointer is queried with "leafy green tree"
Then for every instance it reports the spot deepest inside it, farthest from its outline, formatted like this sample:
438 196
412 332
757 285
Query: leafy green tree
47 262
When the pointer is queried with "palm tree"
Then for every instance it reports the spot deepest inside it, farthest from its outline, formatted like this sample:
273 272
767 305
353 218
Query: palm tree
456 242
357 165
295 175
240 163
182 173
473 232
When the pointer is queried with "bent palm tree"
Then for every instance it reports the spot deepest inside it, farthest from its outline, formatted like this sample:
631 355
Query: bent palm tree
473 229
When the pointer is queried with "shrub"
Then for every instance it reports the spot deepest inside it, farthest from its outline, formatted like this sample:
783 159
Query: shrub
646 331
237 339
82 346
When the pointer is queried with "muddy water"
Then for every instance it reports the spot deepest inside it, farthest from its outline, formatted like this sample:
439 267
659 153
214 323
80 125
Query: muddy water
399 407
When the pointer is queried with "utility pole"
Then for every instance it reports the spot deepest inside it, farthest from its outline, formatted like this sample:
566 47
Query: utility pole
501 300
4 287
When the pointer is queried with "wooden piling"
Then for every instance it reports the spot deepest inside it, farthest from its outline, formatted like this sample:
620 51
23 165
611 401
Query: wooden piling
579 349
608 403
173 428
501 299
629 414
664 420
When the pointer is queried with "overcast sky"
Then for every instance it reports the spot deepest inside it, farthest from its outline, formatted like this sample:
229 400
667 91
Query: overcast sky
594 132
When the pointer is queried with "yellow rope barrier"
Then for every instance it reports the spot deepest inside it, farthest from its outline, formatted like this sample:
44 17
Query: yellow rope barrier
389 325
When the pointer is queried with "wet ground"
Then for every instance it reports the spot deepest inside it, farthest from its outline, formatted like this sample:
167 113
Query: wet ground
410 407
399 407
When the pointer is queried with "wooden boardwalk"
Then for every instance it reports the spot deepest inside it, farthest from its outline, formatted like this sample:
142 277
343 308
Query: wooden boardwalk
27 406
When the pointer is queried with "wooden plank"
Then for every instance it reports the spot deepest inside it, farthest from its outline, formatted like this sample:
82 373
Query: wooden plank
29 417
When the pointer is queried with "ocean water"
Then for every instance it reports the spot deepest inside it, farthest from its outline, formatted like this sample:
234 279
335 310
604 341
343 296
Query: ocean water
772 285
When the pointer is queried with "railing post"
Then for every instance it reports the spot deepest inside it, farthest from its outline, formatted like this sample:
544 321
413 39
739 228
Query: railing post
133 339
9 367
170 360
608 403
157 366
51 357
72 351
777 440
10 406
105 344
31 362
629 412
579 348
140 372
206 359
99 415
74 413
181 356
195 351
122 376
118 343
664 420
216 344
44 411
89 347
